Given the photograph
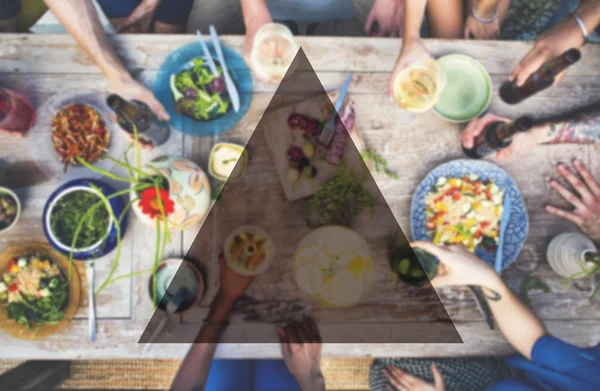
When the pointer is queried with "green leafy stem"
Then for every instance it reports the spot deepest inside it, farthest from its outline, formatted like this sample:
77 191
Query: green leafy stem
139 181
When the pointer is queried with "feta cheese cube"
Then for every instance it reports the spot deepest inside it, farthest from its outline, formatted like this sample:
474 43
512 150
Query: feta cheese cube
3 287
44 292
22 262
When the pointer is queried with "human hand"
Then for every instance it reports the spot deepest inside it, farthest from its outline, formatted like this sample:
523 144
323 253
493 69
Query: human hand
233 285
587 205
142 17
146 145
459 267
520 142
411 52
251 29
301 350
477 30
549 45
403 381
476 126
389 16
131 89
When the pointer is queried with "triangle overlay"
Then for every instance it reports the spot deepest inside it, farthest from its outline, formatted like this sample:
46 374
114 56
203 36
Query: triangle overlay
265 197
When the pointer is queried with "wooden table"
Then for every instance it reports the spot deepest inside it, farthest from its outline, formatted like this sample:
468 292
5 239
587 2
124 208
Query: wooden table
413 145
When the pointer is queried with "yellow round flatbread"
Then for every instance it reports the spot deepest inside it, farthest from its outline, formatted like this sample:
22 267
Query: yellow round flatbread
21 331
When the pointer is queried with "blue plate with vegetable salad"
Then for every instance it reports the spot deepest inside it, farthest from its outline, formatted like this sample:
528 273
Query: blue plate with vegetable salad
518 222
197 100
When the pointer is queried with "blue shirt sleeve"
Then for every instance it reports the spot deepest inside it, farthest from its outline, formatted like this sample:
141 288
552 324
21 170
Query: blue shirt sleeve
559 366
511 385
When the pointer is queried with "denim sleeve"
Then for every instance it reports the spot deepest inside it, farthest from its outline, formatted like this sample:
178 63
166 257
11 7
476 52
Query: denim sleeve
511 385
552 353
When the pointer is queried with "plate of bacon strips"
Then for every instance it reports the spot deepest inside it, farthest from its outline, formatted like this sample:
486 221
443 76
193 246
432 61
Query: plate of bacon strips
71 129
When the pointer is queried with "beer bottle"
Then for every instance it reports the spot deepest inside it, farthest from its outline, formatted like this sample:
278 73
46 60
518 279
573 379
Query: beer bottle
539 80
137 114
497 135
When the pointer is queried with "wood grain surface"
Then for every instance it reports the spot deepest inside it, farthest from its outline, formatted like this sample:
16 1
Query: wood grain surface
412 144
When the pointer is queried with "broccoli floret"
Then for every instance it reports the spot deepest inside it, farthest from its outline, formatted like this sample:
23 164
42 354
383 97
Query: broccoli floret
223 104
203 109
184 80
198 63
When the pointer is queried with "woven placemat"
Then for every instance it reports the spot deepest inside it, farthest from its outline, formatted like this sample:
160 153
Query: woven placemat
340 374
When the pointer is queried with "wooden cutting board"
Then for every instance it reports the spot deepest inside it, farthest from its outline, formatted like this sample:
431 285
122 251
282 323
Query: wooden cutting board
280 137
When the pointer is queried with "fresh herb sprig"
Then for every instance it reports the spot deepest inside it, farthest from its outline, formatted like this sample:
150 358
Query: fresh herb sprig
591 257
380 164
339 200
531 283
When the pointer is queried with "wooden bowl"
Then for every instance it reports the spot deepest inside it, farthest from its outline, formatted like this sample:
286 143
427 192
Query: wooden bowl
21 331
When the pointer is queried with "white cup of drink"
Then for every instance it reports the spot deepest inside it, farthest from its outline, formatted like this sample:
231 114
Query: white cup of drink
418 87
273 51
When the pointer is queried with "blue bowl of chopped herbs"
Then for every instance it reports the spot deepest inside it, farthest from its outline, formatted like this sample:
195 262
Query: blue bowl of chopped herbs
77 220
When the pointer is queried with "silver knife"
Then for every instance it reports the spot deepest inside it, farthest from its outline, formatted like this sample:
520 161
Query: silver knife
231 89
503 224
89 271
482 305
329 129
479 296
209 59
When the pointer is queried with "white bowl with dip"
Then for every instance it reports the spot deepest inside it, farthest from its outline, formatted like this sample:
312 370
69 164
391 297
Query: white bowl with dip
236 265
227 161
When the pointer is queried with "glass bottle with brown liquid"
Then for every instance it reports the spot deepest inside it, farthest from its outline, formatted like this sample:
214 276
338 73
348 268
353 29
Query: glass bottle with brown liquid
136 113
539 80
495 136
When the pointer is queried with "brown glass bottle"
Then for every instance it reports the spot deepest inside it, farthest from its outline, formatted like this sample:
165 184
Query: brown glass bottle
495 136
137 114
539 80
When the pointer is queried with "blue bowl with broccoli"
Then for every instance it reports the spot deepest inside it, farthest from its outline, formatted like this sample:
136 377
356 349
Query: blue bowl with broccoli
197 100
198 93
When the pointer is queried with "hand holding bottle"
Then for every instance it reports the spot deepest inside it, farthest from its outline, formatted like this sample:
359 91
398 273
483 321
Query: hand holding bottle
549 45
519 142
131 89
459 267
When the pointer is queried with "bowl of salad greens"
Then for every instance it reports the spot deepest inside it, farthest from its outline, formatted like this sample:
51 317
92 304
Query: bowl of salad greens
197 101
38 293
79 218
198 93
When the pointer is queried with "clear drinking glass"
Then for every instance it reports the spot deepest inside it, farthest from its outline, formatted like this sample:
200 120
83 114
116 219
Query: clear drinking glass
273 51
418 88
15 113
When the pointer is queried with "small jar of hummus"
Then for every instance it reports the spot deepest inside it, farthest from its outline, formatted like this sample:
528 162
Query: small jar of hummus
227 161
